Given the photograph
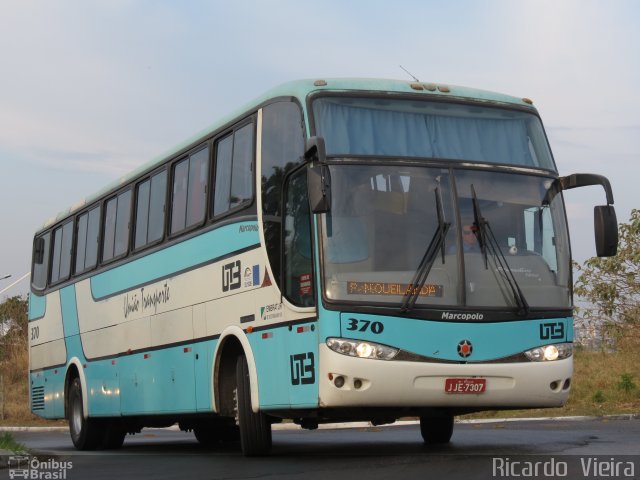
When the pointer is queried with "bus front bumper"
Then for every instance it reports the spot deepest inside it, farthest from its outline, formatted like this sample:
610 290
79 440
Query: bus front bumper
355 382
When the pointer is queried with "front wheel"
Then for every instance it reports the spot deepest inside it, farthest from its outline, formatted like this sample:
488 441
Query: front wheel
217 432
436 430
85 432
255 428
114 434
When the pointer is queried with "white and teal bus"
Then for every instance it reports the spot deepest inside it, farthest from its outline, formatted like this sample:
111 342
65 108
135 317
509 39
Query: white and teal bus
352 250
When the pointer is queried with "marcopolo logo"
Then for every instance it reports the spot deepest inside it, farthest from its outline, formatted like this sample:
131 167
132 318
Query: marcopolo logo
462 316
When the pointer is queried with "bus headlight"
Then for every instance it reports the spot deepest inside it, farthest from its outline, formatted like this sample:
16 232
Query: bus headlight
361 349
549 353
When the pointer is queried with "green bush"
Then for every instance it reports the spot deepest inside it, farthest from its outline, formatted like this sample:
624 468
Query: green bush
626 383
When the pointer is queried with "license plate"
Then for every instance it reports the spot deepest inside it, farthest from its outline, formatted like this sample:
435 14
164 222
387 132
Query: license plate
465 385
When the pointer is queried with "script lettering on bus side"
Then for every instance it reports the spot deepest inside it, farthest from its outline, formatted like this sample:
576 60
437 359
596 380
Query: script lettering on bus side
144 300
383 288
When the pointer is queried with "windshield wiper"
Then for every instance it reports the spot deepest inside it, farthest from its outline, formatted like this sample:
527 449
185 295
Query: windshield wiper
488 242
428 259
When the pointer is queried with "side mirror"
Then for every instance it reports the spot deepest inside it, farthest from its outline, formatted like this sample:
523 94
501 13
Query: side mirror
38 251
314 150
606 230
319 185
604 216
318 177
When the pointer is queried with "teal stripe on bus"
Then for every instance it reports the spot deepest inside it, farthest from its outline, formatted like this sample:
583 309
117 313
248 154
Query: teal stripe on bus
180 257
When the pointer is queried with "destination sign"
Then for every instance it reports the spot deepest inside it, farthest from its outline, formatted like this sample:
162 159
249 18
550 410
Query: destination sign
383 288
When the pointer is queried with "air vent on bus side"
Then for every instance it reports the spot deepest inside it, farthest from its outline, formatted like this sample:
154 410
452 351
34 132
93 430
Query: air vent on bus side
37 398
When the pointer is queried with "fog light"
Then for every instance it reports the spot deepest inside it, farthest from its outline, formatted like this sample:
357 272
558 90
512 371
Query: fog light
357 384
339 381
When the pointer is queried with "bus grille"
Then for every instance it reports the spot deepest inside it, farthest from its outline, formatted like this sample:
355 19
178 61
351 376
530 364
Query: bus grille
37 398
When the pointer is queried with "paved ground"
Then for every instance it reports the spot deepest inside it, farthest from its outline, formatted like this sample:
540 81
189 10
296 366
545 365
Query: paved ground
479 450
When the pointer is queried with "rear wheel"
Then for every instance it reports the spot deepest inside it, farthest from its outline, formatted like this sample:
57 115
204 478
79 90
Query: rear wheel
436 430
86 433
255 428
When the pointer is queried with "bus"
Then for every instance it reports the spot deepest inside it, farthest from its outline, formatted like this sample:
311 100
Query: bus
336 250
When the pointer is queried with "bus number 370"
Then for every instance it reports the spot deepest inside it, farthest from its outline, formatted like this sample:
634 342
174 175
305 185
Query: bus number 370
364 325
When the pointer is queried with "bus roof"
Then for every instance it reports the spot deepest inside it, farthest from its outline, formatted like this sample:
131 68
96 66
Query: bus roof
301 89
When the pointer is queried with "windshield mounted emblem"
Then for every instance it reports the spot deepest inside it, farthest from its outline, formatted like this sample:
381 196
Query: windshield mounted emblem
465 348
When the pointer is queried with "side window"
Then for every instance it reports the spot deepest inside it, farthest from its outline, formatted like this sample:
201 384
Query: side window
224 150
241 173
93 231
197 199
40 261
116 226
61 261
142 213
179 206
189 191
282 148
87 240
122 224
157 200
298 266
150 210
234 170
81 241
109 229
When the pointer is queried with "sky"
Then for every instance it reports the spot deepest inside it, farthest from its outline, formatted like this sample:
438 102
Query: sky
91 90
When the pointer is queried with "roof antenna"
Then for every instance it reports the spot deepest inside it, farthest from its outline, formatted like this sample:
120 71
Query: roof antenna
410 74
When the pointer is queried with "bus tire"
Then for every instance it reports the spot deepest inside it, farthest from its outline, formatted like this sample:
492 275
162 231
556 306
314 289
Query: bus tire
255 428
217 432
114 434
436 430
85 432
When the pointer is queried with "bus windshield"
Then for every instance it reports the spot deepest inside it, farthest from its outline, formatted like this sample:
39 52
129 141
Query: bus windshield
428 129
383 219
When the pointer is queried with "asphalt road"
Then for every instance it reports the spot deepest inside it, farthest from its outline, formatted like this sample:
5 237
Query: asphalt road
565 448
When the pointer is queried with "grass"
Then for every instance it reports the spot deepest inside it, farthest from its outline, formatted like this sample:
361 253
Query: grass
8 443
603 383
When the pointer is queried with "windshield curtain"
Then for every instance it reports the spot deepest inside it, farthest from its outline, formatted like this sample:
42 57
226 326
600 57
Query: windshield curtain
383 218
411 128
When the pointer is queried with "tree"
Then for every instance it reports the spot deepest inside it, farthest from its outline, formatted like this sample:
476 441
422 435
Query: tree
14 354
611 285
14 318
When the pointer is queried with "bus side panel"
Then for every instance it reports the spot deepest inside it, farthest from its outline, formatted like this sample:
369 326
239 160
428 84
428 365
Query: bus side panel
284 344
160 381
287 365
203 360
269 351
203 354
47 356
303 365
103 388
